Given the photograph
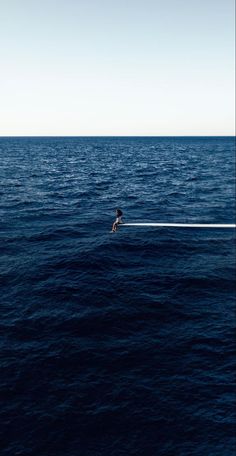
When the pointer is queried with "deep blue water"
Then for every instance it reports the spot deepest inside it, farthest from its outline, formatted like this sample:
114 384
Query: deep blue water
117 344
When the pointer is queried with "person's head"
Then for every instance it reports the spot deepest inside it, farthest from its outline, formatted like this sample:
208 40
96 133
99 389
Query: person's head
119 212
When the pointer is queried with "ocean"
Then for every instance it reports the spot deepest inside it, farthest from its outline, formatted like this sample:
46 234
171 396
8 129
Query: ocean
117 344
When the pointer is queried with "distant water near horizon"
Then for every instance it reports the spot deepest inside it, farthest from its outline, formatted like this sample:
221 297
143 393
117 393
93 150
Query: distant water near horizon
117 344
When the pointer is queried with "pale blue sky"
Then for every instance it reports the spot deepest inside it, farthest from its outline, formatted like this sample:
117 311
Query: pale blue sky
127 67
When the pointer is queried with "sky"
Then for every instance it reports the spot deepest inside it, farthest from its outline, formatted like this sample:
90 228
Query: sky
117 68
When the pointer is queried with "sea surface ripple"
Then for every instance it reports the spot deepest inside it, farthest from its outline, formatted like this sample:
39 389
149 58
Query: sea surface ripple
117 344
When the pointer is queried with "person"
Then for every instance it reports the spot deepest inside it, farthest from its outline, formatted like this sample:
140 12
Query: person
118 220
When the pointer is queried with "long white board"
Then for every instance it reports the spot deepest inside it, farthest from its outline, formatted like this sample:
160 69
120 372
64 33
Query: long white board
184 225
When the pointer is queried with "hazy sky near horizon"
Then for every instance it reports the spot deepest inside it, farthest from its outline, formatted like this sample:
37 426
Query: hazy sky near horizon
127 67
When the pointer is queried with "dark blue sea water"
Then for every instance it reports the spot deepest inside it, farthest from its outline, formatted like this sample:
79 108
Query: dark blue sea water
117 344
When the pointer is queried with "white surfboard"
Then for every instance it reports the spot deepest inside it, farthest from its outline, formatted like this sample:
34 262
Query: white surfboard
182 225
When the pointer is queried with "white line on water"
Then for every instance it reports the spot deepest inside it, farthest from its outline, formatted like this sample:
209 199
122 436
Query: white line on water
184 225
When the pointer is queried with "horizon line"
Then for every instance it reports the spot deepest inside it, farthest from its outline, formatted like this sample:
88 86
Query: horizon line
118 136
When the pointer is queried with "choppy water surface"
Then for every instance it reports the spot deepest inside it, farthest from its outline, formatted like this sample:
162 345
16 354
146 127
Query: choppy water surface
117 344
